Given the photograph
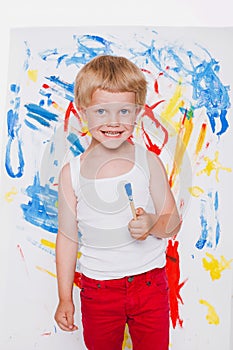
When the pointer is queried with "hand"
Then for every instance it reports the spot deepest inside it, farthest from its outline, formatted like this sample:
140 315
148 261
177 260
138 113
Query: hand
64 316
140 228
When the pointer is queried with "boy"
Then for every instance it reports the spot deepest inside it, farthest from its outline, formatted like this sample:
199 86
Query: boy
122 259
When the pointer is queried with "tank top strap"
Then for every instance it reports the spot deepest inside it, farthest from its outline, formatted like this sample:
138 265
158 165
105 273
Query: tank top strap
141 159
74 173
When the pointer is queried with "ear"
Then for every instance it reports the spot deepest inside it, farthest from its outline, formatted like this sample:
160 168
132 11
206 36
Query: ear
139 109
82 113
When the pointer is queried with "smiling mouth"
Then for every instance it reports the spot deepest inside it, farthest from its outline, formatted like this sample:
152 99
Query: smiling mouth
112 133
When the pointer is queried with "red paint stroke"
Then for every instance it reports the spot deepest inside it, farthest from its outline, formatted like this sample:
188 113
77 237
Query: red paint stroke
156 84
45 86
149 144
70 109
46 334
173 274
21 252
77 279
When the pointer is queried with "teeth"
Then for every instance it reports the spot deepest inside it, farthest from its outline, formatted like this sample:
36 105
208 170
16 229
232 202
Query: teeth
111 133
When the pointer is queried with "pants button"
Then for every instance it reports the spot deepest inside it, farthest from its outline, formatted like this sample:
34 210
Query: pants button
130 279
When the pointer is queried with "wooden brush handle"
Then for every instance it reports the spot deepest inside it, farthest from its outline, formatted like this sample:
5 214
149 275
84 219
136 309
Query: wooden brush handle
133 210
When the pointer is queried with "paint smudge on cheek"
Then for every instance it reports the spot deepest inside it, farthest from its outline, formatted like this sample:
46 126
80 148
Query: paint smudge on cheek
212 316
215 266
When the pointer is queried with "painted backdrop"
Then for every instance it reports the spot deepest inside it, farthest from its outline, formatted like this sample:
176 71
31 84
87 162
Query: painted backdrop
186 121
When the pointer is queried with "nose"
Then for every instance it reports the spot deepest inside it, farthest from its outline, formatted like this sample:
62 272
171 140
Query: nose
113 119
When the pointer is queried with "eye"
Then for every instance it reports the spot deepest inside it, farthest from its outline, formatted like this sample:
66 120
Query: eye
100 111
124 111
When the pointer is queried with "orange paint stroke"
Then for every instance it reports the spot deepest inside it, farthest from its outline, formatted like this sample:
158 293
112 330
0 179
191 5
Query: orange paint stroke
201 139
216 267
182 141
213 165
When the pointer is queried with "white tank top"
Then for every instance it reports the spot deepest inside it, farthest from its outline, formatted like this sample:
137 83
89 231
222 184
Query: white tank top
103 212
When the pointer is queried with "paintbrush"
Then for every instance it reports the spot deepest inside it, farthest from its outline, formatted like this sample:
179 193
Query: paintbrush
129 192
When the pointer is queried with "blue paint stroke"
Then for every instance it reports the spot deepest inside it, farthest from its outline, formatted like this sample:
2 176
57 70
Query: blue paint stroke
88 47
218 227
14 139
41 210
41 246
64 85
28 56
76 147
204 229
47 53
40 114
201 74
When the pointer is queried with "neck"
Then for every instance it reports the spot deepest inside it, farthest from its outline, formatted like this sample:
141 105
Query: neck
98 149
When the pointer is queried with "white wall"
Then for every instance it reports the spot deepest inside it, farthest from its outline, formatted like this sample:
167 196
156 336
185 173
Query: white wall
27 13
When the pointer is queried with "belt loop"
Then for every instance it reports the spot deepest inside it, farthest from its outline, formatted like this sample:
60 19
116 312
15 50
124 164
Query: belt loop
101 284
148 275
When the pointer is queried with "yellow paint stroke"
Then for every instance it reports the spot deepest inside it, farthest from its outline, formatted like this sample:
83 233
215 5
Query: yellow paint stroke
58 108
172 108
33 74
127 339
213 165
46 271
196 191
212 316
9 195
182 141
52 245
201 139
138 128
47 243
216 267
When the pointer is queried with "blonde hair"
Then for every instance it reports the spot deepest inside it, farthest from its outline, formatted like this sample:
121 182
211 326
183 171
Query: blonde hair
112 74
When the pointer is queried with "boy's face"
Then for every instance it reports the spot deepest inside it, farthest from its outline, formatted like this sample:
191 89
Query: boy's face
111 117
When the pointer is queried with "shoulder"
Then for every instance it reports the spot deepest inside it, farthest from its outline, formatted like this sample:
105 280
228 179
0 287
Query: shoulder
65 173
155 163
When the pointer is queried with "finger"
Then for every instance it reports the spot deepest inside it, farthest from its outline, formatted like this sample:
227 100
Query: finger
140 211
70 321
63 324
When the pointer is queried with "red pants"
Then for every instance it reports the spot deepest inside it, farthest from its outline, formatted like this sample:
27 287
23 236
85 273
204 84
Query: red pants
141 301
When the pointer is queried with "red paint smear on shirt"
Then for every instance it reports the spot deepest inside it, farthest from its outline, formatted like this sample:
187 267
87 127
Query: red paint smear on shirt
173 274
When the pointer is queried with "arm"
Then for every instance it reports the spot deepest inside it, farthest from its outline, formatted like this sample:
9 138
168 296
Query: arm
166 222
66 250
